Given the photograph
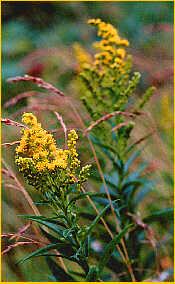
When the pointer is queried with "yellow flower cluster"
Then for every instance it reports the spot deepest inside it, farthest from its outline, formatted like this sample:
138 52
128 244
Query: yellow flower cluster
112 46
84 58
108 32
39 146
45 166
73 160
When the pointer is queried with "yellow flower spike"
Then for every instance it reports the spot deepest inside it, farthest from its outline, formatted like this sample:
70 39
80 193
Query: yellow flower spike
61 158
39 159
124 42
41 166
29 119
83 56
94 21
112 47
40 146
72 140
121 52
51 166
36 156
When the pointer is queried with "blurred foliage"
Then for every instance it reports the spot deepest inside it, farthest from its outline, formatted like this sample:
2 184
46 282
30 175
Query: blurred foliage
32 28
37 39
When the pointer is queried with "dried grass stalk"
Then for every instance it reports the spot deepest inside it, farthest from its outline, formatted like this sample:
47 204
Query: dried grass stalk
40 83
59 117
11 143
120 125
107 116
19 97
11 122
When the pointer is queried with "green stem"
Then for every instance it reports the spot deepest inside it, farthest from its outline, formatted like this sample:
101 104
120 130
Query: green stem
62 204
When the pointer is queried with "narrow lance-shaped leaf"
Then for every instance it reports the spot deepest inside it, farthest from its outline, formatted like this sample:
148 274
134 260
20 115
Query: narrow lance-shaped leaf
51 226
113 183
53 220
91 227
92 274
41 202
110 248
64 247
83 195
104 147
167 213
39 252
130 160
136 174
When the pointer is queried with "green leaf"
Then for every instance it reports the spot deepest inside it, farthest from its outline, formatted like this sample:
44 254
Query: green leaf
110 180
110 248
58 272
83 195
129 189
91 227
40 252
135 174
103 146
70 231
118 163
85 247
74 258
49 225
167 214
92 274
135 183
49 236
130 160
53 220
142 193
41 202
65 248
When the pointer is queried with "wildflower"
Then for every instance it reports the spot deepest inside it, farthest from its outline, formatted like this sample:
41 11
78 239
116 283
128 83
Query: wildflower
121 52
112 47
83 56
40 146
108 84
38 157
73 160
29 119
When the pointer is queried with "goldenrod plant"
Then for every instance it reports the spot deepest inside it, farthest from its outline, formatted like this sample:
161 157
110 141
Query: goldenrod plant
44 164
106 234
57 175
107 84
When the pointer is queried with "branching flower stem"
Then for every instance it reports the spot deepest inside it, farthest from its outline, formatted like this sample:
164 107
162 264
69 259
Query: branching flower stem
42 84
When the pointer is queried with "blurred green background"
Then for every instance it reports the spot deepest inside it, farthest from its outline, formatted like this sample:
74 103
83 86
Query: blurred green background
37 39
